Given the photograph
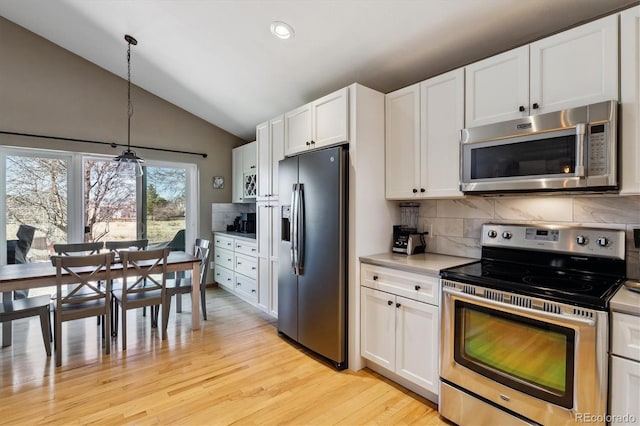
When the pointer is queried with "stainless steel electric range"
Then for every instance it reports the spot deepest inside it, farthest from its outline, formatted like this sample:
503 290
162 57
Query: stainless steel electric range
525 329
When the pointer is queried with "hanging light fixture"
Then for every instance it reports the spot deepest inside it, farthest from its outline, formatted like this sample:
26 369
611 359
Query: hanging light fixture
127 155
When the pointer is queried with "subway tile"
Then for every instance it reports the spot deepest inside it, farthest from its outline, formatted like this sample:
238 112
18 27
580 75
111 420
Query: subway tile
554 209
456 246
448 227
607 209
466 208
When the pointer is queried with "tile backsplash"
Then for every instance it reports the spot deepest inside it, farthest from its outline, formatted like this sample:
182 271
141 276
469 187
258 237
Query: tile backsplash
223 214
454 224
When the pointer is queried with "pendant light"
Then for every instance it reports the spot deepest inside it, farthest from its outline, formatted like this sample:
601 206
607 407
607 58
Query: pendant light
127 155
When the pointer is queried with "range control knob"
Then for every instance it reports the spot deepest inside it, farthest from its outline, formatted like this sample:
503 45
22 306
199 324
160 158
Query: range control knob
602 241
581 240
492 233
507 235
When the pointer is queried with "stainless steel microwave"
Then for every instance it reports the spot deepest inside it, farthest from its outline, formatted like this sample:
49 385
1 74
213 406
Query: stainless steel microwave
573 149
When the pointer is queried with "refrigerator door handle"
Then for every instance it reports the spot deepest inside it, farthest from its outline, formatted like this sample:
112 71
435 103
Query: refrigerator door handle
293 227
300 220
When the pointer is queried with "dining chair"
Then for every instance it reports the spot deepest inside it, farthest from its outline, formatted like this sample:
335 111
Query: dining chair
143 284
78 249
81 296
126 244
29 307
182 285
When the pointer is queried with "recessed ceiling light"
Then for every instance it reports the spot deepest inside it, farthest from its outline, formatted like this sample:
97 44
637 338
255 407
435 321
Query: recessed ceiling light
281 30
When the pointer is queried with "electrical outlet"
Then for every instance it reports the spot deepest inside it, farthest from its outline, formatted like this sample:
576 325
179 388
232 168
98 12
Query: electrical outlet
636 237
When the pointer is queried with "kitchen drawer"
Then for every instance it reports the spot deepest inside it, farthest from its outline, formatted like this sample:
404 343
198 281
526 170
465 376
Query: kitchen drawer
626 335
224 258
224 277
245 247
246 287
423 288
223 242
246 265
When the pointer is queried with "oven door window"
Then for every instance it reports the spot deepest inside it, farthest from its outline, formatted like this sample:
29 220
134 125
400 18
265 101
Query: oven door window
528 355
553 156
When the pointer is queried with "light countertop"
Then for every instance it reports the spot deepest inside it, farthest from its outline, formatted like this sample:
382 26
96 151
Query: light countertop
233 234
625 300
429 263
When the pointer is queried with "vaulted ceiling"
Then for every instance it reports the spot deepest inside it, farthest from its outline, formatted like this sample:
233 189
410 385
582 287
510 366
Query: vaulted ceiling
218 60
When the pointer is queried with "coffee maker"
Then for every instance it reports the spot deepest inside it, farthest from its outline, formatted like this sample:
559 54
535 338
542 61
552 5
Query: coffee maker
248 223
406 238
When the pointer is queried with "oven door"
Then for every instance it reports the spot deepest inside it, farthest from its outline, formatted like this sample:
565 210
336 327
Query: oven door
548 367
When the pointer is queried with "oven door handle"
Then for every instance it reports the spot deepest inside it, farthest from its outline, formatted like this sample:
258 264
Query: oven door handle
517 309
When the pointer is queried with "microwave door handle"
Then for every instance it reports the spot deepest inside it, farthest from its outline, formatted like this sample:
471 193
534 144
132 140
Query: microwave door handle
580 136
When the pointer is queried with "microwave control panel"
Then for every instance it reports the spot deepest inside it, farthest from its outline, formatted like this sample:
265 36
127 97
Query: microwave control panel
597 149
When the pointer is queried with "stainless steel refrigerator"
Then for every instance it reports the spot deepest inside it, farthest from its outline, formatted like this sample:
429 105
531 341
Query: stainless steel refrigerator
312 293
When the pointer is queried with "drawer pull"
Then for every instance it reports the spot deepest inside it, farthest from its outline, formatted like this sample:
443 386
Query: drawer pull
239 263
417 287
228 279
229 259
238 246
253 291
253 268
389 302
375 278
398 305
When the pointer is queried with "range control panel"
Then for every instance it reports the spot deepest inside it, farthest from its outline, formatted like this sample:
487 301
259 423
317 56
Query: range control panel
601 242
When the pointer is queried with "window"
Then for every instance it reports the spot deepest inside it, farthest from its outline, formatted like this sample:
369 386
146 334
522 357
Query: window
70 197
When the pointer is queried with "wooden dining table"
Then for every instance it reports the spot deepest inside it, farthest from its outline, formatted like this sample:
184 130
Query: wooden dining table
43 274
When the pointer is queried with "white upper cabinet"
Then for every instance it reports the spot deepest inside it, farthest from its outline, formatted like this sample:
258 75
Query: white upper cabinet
330 114
573 68
423 122
237 179
270 141
244 166
402 138
441 118
497 88
298 131
317 124
630 101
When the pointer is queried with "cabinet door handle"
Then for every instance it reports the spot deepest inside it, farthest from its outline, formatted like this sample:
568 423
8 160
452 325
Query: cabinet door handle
398 305
422 190
308 143
415 190
313 142
417 287
375 278
239 263
535 105
521 108
253 291
389 302
229 260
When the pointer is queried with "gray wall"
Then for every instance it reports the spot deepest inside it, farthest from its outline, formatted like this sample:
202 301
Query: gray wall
45 89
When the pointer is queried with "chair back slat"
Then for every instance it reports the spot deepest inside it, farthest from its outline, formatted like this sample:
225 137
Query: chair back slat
140 270
125 244
78 249
79 276
202 250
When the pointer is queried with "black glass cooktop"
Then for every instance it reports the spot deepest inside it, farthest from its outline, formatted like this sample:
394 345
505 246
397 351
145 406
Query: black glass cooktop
570 286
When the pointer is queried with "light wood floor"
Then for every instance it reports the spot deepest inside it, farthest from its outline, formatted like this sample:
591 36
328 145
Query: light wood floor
234 370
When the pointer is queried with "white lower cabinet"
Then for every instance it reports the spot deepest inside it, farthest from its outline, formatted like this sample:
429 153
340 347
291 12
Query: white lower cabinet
236 265
400 324
625 369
